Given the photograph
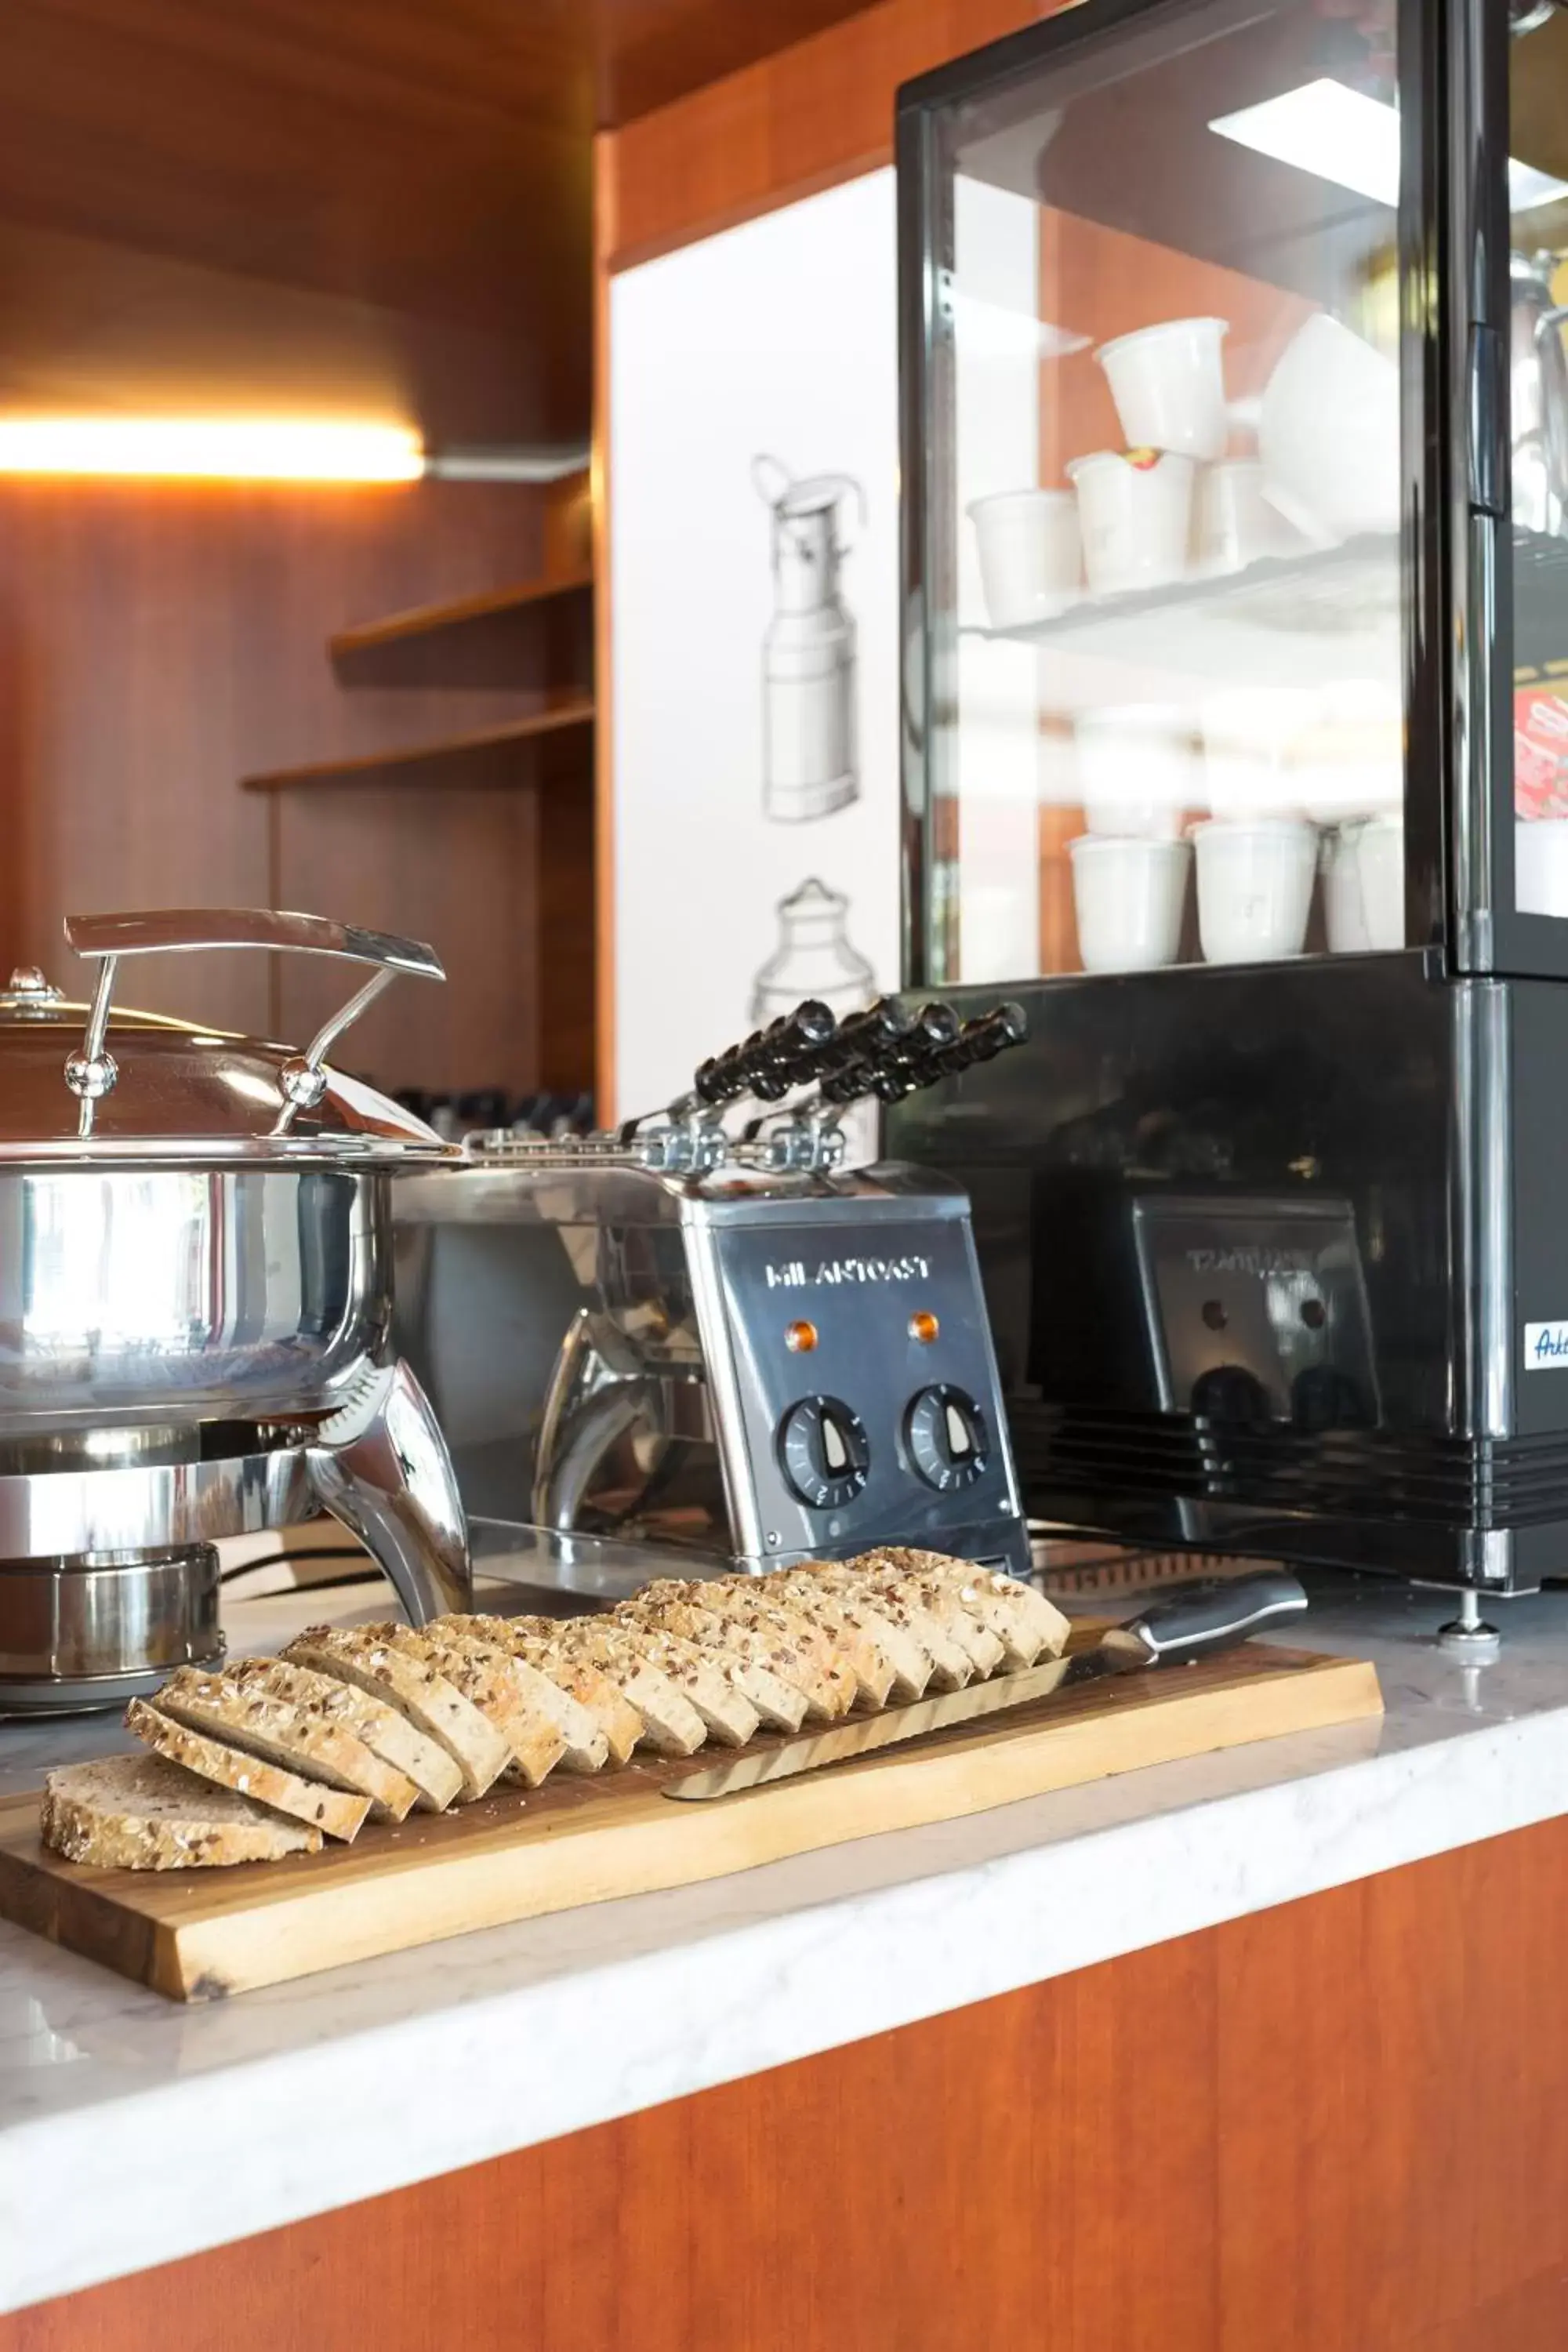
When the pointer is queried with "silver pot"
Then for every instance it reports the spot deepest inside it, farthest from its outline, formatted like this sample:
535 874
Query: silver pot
195 1310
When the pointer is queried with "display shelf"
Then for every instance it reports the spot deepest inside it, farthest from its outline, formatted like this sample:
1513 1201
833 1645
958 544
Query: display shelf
485 639
531 749
1540 609
1285 620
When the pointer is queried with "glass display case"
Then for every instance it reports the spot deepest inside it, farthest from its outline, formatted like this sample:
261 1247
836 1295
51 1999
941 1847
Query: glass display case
1210 313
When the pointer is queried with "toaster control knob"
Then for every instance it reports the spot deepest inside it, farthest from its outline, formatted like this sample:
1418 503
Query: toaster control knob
946 1437
823 1449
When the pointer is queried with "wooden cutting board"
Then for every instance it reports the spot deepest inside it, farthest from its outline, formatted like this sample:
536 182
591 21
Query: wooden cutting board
198 1934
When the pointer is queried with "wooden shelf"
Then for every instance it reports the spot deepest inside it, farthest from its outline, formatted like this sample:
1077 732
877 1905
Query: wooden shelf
489 639
489 756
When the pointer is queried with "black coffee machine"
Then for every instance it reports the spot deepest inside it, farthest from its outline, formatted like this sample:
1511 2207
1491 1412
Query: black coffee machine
1254 790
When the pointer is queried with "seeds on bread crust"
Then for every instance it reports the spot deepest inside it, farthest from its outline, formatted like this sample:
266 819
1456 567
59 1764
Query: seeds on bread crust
142 1812
333 1811
254 1710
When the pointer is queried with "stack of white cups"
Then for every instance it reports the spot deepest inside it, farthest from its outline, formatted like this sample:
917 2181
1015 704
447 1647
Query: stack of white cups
1130 867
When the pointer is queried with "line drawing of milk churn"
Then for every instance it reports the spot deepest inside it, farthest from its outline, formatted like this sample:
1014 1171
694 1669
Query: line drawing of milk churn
809 756
815 957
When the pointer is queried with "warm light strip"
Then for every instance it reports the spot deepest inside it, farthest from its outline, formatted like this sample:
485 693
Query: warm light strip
1341 134
213 448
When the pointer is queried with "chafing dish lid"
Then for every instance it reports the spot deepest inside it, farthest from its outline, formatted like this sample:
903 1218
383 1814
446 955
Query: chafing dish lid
183 1093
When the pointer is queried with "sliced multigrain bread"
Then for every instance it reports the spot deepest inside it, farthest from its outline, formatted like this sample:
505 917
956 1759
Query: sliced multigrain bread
363 1656
537 1639
832 1683
764 1666
907 1668
943 1597
670 1723
142 1812
334 1810
708 1678
951 1665
585 1747
1026 1623
250 1712
434 1774
482 1671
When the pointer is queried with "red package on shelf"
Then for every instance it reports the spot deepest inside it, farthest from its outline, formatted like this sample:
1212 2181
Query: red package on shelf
1539 752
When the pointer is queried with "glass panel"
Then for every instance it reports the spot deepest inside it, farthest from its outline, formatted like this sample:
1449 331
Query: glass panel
1538 271
1165 499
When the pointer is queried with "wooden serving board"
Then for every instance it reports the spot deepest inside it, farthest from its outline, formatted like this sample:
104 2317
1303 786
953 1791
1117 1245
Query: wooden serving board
198 1934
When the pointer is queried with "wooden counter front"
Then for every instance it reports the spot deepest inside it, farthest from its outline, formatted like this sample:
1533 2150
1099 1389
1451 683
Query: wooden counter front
1339 2126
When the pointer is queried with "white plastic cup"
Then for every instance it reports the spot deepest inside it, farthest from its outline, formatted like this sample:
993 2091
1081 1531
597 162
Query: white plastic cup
1254 888
1328 433
1129 896
1168 383
1031 558
1380 872
1234 524
1344 916
1541 865
1136 518
1135 771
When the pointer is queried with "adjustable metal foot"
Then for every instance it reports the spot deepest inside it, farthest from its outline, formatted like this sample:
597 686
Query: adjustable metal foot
1467 1636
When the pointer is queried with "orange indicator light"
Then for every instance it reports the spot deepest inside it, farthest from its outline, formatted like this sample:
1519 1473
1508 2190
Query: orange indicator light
923 1326
801 1337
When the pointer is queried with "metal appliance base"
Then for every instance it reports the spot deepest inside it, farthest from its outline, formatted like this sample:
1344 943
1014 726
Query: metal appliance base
93 1631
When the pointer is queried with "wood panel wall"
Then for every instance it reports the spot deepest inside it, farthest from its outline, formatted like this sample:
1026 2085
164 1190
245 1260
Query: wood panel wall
1339 2126
159 641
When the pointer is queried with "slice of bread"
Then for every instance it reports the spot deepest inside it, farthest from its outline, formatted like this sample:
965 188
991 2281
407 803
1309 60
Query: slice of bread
670 1724
482 1671
586 1748
868 1654
708 1678
142 1812
764 1668
250 1712
951 1667
334 1810
909 1666
943 1597
536 1639
1022 1620
832 1685
363 1656
435 1777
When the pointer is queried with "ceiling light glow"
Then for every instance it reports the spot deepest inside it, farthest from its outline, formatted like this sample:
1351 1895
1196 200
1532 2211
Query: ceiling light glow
1341 135
212 448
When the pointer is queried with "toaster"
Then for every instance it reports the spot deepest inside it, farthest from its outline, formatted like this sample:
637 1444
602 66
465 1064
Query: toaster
729 1343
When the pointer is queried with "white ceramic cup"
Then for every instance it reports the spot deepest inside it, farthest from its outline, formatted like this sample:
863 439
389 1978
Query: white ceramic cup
1031 558
1380 872
1328 433
1135 769
1136 518
1254 888
1234 524
1541 865
1129 896
1168 383
1344 916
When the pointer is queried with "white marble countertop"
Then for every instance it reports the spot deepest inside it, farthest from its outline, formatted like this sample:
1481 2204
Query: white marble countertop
562 2022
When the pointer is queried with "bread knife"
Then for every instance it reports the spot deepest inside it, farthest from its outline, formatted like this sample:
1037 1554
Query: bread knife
1187 1622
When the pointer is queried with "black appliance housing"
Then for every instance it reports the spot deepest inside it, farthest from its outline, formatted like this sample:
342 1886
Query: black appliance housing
1274 1253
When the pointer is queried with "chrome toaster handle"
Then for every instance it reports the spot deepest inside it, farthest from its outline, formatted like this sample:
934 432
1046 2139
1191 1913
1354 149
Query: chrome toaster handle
174 930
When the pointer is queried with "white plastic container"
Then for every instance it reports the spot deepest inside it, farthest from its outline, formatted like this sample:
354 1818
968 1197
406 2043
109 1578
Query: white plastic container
1541 865
1129 896
1254 889
1328 433
1031 558
1136 772
1234 524
1168 383
1136 519
1380 870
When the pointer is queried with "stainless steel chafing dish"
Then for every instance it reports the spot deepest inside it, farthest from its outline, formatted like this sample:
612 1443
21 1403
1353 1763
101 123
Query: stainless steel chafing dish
196 1312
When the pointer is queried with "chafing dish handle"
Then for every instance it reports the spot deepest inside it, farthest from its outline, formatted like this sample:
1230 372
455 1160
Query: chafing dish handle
178 931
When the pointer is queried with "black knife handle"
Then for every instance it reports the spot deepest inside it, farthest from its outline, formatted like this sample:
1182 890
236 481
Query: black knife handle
1193 1620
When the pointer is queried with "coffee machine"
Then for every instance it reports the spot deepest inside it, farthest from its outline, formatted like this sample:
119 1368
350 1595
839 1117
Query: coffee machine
1273 834
703 1333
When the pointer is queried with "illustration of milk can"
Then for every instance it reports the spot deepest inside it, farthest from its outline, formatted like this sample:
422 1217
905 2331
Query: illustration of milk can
808 653
815 957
